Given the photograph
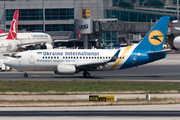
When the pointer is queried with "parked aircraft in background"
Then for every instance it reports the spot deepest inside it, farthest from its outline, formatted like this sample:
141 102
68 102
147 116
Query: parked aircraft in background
39 40
10 44
71 61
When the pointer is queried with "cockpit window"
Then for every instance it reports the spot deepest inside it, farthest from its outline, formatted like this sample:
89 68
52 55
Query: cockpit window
17 56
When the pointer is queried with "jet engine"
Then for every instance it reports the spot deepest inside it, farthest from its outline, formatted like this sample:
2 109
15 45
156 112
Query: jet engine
65 70
47 46
176 42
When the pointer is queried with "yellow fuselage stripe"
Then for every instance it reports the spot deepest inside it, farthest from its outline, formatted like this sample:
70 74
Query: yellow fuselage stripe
120 59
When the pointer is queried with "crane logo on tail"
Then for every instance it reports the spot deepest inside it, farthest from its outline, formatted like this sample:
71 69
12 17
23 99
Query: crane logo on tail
156 37
14 29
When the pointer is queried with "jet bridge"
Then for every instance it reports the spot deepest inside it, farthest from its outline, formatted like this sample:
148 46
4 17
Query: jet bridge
124 27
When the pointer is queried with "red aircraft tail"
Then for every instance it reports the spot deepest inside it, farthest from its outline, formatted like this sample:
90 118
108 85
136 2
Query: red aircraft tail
14 27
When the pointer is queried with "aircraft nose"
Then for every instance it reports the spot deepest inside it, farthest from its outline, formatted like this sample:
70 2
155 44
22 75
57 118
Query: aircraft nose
8 62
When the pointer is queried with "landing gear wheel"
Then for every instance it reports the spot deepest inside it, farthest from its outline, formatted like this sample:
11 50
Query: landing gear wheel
86 75
25 75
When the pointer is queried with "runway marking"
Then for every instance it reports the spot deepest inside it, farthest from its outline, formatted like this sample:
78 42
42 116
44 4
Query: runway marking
35 75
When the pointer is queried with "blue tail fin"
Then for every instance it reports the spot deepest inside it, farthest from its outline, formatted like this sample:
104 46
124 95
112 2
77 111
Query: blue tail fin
154 39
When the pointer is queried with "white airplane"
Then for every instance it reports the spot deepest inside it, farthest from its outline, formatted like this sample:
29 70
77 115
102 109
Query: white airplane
176 41
71 61
10 44
32 40
23 40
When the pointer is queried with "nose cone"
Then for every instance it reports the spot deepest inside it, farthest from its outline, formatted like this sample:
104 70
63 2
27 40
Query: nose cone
8 62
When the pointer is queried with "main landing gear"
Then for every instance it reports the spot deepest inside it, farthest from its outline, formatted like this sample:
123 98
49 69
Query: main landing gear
86 74
25 75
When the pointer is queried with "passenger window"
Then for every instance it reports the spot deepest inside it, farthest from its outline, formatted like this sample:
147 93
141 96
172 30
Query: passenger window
54 57
86 57
71 57
92 57
48 57
123 57
100 57
51 57
42 57
89 57
57 57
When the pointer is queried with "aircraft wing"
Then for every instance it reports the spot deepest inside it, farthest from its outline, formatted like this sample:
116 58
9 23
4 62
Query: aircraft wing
162 51
4 34
90 66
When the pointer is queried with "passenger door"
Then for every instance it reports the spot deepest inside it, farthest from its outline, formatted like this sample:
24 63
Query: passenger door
31 57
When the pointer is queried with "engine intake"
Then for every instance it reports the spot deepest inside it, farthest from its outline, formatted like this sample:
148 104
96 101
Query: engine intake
65 70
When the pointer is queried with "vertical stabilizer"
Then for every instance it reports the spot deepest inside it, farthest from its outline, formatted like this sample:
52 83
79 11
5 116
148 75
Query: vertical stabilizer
154 39
14 27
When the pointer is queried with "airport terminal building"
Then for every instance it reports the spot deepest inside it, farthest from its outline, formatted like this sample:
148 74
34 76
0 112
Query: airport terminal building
57 17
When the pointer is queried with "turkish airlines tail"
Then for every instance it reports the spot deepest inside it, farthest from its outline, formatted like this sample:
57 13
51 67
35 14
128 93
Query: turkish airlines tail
14 27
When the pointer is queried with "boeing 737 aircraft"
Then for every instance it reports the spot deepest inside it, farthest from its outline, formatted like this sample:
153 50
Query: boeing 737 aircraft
71 61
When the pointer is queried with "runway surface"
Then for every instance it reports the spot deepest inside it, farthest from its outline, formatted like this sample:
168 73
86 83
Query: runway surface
167 69
134 112
91 113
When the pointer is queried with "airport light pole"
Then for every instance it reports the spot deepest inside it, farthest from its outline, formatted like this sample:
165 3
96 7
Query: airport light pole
43 15
178 10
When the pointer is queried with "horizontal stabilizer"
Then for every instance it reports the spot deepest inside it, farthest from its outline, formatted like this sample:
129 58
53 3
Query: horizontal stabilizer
162 51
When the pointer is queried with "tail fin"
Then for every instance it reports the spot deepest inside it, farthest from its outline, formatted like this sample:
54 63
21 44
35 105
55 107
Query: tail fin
14 27
1 32
154 39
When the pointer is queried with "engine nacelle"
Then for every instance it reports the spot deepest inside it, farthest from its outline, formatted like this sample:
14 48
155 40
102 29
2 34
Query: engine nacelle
48 46
65 70
176 42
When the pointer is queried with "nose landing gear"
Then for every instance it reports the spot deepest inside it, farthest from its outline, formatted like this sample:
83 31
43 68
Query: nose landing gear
86 74
25 75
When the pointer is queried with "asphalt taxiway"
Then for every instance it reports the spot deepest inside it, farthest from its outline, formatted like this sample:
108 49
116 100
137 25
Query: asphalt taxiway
134 112
167 69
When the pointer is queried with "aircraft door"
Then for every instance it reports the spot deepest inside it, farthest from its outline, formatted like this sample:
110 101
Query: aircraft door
31 57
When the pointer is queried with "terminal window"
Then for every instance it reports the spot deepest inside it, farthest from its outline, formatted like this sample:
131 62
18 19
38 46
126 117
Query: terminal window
37 14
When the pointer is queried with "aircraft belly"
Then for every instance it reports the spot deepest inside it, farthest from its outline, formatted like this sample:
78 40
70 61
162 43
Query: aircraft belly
46 67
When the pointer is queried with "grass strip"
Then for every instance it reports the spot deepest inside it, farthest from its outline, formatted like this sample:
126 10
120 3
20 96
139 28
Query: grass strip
81 86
